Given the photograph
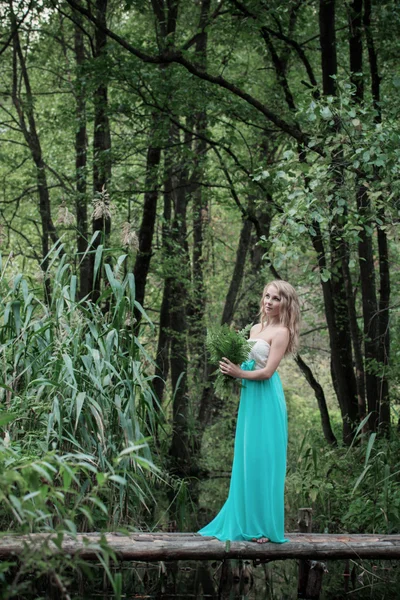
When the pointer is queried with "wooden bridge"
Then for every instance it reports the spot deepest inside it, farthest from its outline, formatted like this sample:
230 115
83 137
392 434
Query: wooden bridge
192 546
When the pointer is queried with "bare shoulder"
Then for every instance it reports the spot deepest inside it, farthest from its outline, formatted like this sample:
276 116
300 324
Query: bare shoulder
281 335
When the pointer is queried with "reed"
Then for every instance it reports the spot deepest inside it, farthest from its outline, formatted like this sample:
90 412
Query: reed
75 392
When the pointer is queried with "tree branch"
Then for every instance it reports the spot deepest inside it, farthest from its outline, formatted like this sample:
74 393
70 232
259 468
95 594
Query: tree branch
176 56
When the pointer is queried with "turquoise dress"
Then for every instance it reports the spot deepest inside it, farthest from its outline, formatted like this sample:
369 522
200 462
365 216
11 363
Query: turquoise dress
255 504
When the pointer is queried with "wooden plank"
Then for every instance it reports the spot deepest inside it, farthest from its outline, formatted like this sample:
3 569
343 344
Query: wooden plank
166 546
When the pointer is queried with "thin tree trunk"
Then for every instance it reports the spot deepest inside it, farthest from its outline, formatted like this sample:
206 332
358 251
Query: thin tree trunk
365 245
179 449
165 22
349 410
146 231
373 59
369 304
320 396
163 345
27 122
197 328
327 38
336 298
384 272
383 327
237 276
80 165
356 338
343 305
101 222
355 47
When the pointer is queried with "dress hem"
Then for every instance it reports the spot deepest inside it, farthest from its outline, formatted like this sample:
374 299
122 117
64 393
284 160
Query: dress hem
247 538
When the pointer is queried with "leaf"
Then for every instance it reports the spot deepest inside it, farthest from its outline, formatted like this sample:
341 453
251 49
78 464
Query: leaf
325 275
90 245
69 366
99 504
359 428
71 526
117 479
369 448
6 417
72 287
326 113
79 400
67 480
143 312
366 156
361 477
131 449
131 284
86 512
97 262
16 308
101 478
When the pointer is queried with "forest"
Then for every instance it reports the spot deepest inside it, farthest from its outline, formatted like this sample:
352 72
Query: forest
160 162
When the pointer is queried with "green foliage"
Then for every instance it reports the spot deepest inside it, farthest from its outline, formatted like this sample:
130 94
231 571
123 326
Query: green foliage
78 406
223 341
354 490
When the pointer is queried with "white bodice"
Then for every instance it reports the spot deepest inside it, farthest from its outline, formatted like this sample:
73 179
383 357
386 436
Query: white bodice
259 352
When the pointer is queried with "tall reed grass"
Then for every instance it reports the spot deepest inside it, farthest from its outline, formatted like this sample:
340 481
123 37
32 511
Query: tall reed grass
78 405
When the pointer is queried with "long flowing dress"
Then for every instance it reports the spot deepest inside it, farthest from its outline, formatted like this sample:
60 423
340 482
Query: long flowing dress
255 504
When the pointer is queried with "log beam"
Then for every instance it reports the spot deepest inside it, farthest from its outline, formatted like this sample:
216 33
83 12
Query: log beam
192 546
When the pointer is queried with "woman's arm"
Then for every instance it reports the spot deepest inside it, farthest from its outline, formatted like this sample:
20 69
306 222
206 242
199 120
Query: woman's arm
276 353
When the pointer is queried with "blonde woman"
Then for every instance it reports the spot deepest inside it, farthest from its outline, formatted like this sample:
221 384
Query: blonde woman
254 509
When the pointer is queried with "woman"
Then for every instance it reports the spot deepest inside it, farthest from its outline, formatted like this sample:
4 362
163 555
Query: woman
254 509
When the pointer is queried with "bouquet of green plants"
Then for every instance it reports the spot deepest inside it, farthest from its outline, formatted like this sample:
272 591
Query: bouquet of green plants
223 341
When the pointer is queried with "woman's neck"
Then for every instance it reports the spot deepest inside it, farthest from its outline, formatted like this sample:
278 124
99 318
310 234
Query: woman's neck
274 322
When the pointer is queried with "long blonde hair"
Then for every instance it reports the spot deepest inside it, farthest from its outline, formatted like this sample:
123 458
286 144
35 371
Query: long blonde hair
289 312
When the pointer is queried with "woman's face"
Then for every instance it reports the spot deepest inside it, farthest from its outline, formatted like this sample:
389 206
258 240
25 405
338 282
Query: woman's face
272 302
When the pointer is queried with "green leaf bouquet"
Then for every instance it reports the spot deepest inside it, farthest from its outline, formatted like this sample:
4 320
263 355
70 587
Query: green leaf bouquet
223 341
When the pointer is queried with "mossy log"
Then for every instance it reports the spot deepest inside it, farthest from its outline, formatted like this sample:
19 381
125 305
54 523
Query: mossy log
192 546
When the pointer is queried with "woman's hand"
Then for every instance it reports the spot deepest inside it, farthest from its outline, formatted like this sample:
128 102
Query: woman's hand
229 368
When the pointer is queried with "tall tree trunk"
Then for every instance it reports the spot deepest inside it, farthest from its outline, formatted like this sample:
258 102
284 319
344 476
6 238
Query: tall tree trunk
197 328
369 303
356 337
355 46
80 163
365 244
327 38
172 340
343 305
146 231
101 220
163 345
180 450
372 59
383 327
384 272
27 122
349 410
335 294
